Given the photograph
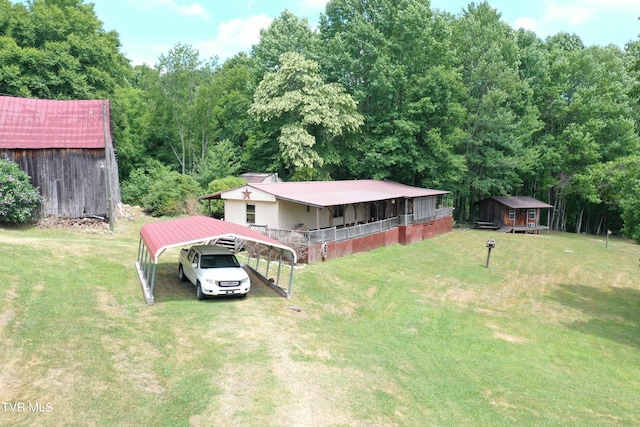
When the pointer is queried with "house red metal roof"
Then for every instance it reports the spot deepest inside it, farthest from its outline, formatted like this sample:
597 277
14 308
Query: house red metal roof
27 123
158 236
521 202
335 193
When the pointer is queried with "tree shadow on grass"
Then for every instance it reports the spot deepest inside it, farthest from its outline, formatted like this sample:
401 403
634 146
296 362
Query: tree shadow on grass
169 288
614 312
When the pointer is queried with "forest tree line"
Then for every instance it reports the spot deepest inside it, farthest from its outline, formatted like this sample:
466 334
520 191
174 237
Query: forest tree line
377 89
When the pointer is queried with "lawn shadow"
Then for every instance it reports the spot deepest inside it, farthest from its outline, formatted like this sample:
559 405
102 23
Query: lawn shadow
614 312
169 288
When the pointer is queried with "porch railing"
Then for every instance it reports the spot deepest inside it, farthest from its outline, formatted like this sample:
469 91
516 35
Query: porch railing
334 234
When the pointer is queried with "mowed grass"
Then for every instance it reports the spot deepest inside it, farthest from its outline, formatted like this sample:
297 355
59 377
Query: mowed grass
414 335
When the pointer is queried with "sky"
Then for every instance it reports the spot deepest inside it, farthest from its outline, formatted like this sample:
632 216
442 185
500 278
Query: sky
150 28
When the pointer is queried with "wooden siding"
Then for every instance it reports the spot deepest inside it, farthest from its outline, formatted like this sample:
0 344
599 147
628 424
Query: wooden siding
72 181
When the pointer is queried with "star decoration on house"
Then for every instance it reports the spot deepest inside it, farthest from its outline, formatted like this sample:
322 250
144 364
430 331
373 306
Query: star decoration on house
246 194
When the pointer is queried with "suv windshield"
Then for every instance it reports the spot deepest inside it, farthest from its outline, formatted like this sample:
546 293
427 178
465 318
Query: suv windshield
218 261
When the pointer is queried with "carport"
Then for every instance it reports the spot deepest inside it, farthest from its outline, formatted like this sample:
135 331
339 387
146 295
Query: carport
157 237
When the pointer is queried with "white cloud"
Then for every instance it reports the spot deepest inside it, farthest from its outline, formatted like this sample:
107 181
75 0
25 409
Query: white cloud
237 35
193 9
574 15
313 4
526 23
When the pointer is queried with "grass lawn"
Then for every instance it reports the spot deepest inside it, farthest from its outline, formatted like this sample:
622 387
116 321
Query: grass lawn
418 335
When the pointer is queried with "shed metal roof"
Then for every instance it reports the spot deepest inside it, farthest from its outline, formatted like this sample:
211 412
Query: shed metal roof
336 193
159 236
521 202
27 123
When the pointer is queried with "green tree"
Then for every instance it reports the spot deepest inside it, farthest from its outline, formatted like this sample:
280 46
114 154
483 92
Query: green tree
502 118
298 109
396 60
58 49
183 106
589 119
287 33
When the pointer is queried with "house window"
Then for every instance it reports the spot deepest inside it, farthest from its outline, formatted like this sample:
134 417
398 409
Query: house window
251 214
338 211
532 214
512 214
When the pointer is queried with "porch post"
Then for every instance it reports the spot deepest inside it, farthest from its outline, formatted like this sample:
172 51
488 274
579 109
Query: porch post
318 218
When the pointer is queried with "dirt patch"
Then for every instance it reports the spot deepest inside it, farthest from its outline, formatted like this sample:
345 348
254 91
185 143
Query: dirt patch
498 334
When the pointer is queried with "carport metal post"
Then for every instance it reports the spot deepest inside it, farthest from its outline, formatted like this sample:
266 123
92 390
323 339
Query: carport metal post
258 258
290 279
139 250
153 278
268 263
279 265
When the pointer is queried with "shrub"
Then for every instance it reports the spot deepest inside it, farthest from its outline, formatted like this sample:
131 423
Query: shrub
19 200
139 183
168 195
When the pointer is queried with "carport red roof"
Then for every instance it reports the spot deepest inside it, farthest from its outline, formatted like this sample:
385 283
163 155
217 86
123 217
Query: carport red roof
27 123
158 236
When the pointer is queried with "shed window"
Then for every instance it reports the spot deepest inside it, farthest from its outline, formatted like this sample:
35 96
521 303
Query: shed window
512 214
251 214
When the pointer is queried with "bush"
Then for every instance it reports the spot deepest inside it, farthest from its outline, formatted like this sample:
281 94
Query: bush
170 194
139 183
19 200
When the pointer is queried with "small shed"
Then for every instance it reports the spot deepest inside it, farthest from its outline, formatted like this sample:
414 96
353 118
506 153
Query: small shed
66 148
513 214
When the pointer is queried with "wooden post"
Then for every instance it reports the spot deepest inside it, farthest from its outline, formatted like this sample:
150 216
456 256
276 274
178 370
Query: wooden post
105 124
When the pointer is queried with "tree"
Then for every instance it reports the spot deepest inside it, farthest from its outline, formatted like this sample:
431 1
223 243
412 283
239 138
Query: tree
287 33
183 103
395 59
502 118
57 49
298 108
19 200
589 119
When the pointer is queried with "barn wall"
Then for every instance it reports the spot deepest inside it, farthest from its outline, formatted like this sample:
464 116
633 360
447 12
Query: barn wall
72 181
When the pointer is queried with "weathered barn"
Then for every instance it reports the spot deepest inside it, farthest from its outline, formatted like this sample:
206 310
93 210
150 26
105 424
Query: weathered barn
66 148
512 214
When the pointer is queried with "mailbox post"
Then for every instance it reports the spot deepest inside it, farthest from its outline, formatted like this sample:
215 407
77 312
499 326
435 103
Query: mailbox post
490 245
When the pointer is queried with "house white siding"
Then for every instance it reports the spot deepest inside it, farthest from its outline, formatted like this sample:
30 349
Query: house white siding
235 211
294 214
266 213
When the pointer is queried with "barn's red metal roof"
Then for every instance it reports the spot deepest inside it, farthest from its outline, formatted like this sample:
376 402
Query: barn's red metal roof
27 123
158 236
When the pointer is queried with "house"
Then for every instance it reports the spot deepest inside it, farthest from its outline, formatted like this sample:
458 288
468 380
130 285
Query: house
330 219
66 149
512 214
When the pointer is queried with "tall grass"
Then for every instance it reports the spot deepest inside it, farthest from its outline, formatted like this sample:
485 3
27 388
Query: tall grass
419 335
